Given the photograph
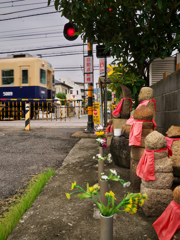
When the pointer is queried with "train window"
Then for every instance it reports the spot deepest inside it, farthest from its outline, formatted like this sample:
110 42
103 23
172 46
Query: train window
8 77
24 76
42 76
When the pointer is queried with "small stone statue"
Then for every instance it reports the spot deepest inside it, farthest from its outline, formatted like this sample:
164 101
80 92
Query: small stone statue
168 224
145 98
124 107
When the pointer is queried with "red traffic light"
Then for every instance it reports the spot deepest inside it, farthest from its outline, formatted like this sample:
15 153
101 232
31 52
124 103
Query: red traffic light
69 30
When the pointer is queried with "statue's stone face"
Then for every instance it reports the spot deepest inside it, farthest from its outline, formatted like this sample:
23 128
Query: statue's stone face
146 93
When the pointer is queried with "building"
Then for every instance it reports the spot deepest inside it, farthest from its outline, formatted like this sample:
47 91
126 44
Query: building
63 88
75 91
84 94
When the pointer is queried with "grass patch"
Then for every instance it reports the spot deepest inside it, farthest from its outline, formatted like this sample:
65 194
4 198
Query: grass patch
21 202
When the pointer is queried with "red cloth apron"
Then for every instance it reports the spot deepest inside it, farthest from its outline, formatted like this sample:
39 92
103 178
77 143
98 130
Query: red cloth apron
136 131
171 140
145 167
119 107
169 222
131 119
109 128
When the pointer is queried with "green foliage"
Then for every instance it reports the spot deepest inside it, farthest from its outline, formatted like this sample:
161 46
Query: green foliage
61 96
109 95
129 79
15 213
136 31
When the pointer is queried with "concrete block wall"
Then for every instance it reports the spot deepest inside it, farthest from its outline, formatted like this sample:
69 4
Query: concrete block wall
167 96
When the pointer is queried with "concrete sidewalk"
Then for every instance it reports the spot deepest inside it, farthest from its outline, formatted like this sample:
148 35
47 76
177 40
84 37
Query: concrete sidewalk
52 216
73 122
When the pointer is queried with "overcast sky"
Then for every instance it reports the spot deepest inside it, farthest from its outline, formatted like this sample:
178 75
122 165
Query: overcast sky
19 33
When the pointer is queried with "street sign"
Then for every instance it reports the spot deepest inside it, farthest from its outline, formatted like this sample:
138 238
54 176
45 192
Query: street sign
88 69
88 64
102 67
88 78
96 113
111 70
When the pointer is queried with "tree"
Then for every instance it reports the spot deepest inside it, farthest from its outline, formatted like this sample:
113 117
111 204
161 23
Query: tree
109 95
136 31
121 76
61 96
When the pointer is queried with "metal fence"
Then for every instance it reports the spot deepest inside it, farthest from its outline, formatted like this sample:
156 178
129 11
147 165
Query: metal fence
48 109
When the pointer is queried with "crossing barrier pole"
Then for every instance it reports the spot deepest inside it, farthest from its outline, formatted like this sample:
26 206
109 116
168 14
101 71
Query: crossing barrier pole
27 116
51 111
16 111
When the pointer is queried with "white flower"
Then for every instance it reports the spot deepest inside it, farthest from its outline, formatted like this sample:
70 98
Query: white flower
104 177
100 140
94 157
114 172
99 155
109 158
102 173
99 128
118 176
127 184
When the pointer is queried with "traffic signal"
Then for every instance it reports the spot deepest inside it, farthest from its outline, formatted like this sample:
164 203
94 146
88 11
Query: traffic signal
69 30
100 52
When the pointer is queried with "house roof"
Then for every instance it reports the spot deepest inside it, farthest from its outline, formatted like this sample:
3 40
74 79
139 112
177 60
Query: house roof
58 82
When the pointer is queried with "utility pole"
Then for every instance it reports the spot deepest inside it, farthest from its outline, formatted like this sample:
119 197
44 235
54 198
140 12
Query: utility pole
90 123
105 95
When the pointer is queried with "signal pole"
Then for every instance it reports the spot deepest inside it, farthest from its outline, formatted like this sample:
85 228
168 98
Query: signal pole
90 123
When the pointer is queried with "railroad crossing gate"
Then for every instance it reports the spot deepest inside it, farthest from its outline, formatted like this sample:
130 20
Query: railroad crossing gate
96 113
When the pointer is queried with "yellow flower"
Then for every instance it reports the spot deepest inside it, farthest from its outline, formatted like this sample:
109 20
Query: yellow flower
139 196
96 187
128 206
135 200
133 210
99 133
94 192
73 185
126 209
68 195
141 202
130 200
112 194
107 194
91 189
144 196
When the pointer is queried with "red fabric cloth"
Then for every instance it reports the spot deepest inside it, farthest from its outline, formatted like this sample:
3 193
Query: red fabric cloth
171 140
169 222
136 131
131 119
109 128
145 167
119 107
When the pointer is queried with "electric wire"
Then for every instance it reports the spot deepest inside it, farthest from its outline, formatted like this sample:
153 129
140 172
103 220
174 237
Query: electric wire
24 5
25 10
45 48
33 15
12 1
27 29
9 40
27 35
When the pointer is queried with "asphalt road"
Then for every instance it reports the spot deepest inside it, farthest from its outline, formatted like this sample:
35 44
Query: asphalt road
26 153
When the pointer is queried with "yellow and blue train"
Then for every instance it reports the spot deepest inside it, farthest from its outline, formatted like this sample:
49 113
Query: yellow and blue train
23 76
